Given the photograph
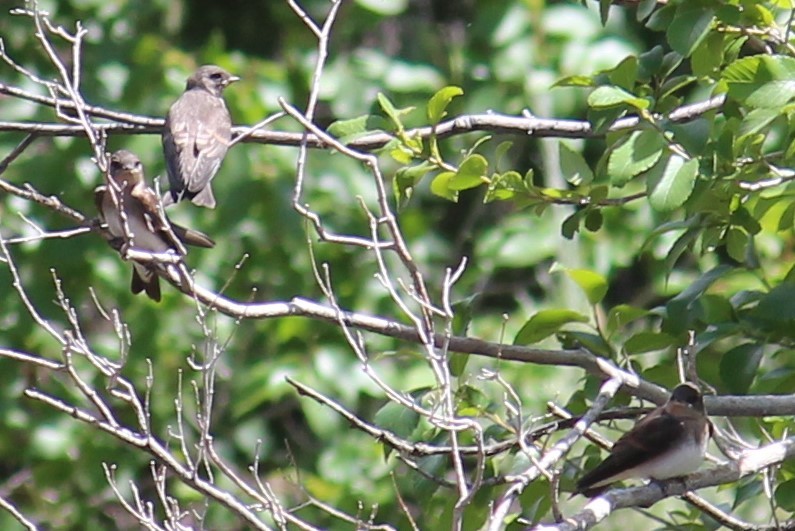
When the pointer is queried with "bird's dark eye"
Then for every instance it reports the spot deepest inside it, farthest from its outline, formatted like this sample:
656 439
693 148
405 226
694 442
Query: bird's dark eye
217 76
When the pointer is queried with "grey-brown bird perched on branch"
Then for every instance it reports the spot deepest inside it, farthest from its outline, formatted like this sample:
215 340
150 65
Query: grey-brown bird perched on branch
668 442
196 136
130 210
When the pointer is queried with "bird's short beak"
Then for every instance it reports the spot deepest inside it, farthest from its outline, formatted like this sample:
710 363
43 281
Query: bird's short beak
232 79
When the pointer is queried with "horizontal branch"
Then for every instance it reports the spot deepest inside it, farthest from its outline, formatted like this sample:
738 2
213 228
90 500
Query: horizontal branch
127 123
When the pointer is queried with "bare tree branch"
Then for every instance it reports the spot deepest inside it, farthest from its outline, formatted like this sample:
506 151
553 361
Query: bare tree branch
533 126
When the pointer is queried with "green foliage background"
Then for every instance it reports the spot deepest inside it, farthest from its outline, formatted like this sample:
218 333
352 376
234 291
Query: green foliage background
696 251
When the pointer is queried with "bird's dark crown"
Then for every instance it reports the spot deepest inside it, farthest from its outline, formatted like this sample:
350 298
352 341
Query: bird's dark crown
687 393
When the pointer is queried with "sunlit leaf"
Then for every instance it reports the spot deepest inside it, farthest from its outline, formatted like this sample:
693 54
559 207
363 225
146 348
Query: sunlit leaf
470 173
593 285
637 154
612 96
440 185
670 182
438 103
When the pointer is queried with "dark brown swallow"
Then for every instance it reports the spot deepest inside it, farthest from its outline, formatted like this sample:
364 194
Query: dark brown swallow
196 136
668 442
130 209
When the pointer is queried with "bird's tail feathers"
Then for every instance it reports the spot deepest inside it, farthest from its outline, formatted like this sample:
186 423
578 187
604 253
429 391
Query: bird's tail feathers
145 280
204 198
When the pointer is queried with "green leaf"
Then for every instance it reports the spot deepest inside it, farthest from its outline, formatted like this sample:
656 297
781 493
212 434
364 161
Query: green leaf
347 129
785 495
715 309
471 173
707 57
438 103
471 399
738 367
462 315
602 118
737 243
776 306
545 323
787 220
757 120
501 149
535 500
689 27
671 62
458 363
598 193
407 178
388 108
678 309
509 185
594 219
640 152
661 19
592 284
695 289
611 96
643 342
645 9
772 95
604 10
575 81
571 224
393 113
424 485
592 342
764 81
414 174
747 490
765 16
671 87
650 63
440 185
670 182
401 154
625 74
398 419
623 314
573 165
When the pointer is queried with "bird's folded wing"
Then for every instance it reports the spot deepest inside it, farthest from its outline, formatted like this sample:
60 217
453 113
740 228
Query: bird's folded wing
651 436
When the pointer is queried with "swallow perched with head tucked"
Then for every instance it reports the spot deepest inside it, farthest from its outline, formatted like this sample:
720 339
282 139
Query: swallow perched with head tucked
668 442
129 208
196 136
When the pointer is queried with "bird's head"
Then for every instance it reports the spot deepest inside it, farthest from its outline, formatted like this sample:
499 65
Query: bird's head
126 167
211 78
688 395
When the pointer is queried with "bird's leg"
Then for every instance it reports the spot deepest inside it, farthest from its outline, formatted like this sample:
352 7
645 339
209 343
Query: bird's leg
668 486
